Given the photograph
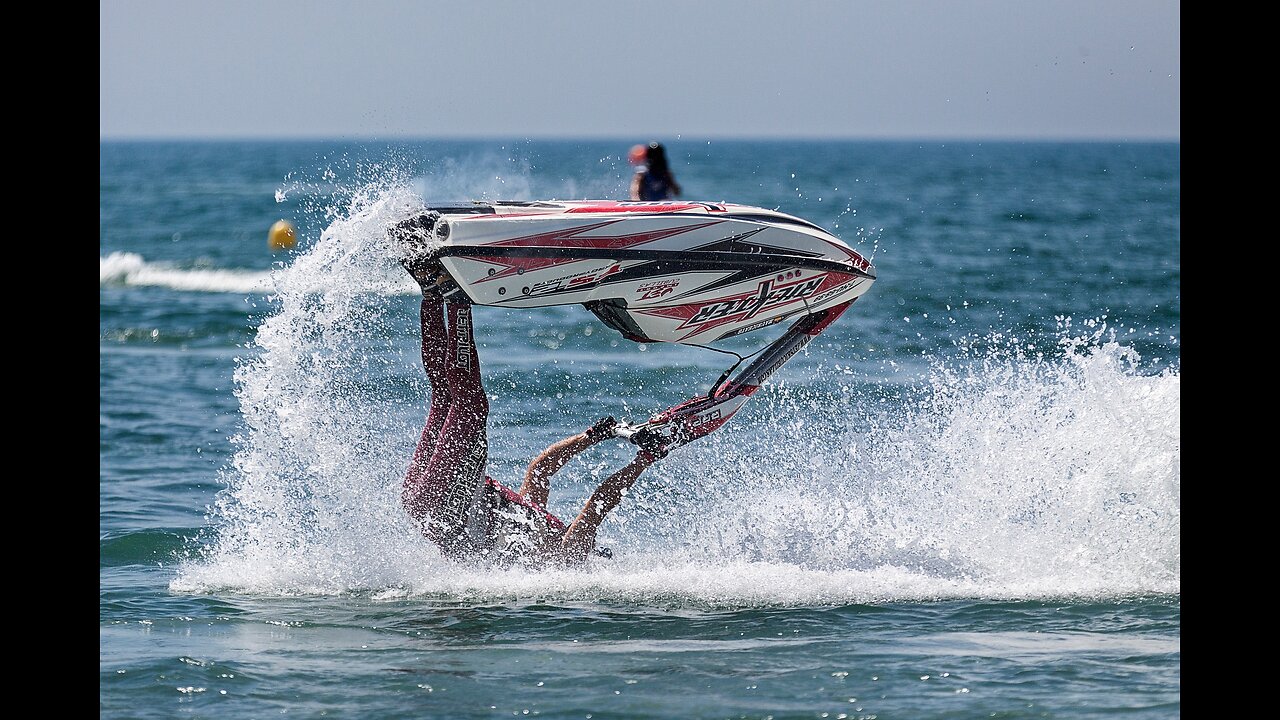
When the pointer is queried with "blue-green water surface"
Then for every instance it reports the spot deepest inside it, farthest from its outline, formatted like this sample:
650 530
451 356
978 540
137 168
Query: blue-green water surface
963 501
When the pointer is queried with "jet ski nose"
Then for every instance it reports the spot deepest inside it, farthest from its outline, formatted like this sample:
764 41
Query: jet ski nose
416 245
416 231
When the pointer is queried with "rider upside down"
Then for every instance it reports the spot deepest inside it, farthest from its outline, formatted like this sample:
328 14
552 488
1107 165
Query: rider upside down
469 515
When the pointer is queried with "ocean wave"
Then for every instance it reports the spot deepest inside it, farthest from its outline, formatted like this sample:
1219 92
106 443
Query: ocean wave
123 268
131 269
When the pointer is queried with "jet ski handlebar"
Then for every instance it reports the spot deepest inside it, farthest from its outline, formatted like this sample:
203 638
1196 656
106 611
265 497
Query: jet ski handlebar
699 416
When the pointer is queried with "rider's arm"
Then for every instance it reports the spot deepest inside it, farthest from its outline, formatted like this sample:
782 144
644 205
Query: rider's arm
537 477
580 539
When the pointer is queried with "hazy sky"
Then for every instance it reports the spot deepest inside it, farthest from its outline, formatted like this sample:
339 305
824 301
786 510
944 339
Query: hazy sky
384 69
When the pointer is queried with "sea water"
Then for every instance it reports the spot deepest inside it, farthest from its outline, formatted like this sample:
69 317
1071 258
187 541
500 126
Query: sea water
961 501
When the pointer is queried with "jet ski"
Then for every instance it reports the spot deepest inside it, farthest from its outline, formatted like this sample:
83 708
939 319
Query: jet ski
681 272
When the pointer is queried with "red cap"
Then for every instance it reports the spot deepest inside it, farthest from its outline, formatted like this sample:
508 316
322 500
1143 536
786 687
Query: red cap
637 154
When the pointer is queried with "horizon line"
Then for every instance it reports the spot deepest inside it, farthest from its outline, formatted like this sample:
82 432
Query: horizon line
675 138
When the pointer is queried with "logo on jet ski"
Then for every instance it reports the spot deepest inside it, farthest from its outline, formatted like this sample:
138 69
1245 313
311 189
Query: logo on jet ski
657 289
769 294
571 282
704 418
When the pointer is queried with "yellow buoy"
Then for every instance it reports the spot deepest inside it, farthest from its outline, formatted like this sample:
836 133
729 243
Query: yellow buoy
281 236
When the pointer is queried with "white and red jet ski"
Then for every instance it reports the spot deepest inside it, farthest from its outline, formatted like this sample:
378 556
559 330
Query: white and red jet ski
684 272
670 271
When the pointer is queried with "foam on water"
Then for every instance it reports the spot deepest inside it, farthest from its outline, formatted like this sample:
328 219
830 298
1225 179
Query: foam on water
1009 474
123 268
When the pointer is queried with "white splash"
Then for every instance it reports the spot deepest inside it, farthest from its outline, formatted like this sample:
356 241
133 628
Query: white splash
1012 476
312 500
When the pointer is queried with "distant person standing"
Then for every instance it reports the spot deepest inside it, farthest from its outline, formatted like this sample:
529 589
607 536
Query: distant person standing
653 179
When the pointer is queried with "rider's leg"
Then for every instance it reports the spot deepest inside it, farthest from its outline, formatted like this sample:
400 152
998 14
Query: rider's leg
434 358
452 480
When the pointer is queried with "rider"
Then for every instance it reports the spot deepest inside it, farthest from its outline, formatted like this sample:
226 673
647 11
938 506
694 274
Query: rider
652 179
446 490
